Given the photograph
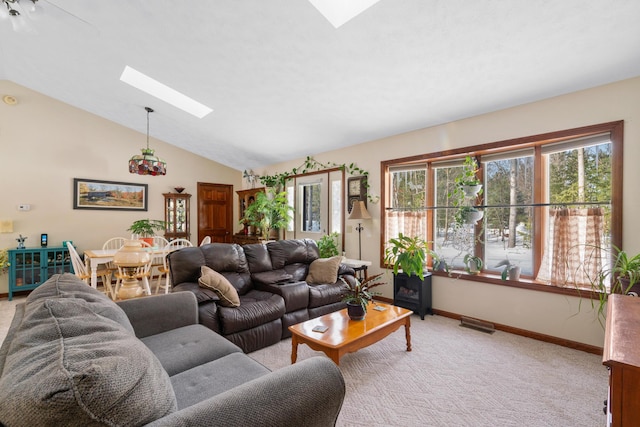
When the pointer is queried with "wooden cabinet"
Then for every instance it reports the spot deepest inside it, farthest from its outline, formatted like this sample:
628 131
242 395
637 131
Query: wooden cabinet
176 216
622 356
31 267
245 198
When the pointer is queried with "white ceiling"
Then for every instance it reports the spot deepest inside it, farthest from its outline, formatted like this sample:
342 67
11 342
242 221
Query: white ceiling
284 83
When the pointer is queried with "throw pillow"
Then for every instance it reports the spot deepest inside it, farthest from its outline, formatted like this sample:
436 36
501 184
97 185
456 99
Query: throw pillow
215 281
324 270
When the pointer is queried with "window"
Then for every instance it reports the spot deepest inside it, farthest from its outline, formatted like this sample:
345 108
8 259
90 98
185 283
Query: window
311 207
551 204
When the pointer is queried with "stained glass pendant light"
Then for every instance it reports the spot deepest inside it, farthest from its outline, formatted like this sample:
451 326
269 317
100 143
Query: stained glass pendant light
147 163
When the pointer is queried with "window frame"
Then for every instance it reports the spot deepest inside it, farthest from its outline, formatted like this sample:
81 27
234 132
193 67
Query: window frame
616 131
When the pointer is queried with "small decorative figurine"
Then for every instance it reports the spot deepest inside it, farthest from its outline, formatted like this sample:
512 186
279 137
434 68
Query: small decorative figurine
21 242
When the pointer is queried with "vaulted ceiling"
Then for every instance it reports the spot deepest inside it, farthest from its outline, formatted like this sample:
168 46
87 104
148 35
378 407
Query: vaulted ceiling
284 83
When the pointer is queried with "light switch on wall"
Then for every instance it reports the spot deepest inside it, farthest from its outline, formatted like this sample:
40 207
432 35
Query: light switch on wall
24 207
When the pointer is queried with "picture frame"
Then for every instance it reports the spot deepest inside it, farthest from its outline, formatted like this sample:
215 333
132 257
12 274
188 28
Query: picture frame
356 190
109 195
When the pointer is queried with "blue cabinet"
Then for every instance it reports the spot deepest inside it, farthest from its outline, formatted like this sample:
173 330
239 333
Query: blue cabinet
31 267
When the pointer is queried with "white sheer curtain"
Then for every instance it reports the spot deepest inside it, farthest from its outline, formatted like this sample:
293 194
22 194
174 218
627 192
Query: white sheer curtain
409 223
574 254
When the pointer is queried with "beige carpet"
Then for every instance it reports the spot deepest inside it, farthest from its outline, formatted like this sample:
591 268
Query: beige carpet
461 377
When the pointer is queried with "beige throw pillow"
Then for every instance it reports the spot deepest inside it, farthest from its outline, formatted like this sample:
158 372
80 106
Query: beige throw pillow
215 281
324 270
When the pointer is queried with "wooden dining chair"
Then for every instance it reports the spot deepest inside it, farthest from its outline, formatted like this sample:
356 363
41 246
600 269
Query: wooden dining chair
205 241
83 272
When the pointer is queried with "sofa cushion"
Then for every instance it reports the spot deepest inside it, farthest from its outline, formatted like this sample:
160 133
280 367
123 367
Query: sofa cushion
324 270
284 252
230 371
86 369
256 308
220 285
258 257
183 348
325 294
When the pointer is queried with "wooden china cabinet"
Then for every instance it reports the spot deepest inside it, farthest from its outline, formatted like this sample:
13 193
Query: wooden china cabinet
245 198
176 216
622 356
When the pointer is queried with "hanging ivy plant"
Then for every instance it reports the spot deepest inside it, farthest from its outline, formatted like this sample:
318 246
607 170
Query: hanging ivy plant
310 164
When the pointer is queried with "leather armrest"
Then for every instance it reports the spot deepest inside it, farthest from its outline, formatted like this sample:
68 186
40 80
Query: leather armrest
295 295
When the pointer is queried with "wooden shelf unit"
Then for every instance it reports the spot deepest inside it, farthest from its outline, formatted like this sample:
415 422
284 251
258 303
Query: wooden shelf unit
622 356
176 216
245 198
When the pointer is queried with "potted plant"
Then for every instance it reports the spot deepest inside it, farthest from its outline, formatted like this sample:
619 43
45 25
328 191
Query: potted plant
473 263
466 188
467 184
438 261
358 294
328 245
468 215
145 229
510 270
625 272
407 254
269 212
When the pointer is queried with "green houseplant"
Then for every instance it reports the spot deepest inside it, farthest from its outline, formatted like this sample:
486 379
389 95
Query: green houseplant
146 227
473 263
358 294
621 278
466 188
408 254
270 211
328 245
510 270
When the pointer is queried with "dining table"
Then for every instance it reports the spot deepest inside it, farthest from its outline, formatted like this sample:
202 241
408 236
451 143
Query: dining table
94 257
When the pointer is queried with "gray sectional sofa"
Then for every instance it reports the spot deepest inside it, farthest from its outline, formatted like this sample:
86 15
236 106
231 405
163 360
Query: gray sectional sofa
74 357
271 280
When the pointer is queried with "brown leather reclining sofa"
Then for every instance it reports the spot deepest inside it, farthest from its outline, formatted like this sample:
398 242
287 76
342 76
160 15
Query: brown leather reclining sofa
270 281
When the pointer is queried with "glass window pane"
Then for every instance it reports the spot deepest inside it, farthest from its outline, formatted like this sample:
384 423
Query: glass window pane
311 207
452 241
336 206
508 227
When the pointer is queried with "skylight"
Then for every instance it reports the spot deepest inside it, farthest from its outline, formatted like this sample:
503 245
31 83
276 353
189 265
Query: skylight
339 12
154 88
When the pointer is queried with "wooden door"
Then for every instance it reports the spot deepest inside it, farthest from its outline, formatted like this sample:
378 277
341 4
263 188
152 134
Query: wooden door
215 212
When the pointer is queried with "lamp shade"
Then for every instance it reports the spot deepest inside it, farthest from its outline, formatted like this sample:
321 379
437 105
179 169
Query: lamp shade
359 211
6 226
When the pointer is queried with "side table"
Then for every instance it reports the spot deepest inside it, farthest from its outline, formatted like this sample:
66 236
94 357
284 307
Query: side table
359 266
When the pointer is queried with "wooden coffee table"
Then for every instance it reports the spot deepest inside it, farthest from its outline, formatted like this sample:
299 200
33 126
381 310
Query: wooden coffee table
347 336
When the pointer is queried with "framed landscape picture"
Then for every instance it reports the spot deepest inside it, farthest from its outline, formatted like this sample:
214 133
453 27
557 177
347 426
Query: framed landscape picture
109 195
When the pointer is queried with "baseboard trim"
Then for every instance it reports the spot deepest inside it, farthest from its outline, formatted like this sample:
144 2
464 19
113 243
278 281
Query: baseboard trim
530 334
522 332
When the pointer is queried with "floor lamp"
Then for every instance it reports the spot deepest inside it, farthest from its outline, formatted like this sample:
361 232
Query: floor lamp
359 211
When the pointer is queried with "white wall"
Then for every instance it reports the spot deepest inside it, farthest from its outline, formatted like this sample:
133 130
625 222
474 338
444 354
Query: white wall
541 312
44 144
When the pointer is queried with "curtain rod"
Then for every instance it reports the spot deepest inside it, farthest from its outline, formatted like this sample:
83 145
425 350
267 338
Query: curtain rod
523 205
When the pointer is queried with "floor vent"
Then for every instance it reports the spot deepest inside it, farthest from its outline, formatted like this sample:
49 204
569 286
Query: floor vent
472 323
